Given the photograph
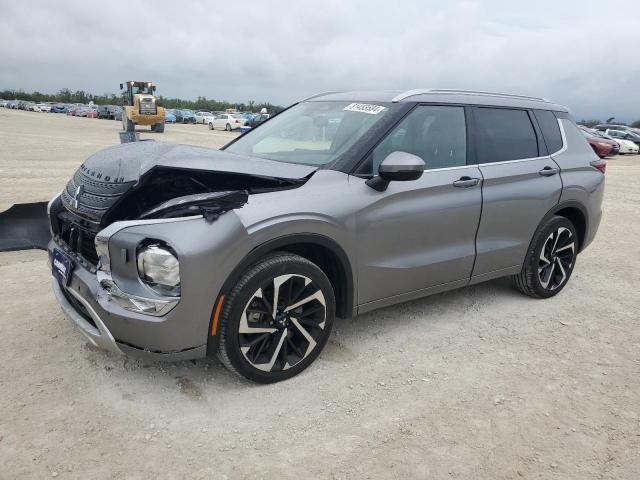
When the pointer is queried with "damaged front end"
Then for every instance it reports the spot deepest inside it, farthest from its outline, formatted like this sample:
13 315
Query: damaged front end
127 183
142 241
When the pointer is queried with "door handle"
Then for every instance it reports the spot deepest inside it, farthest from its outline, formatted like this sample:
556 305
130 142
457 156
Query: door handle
466 182
548 171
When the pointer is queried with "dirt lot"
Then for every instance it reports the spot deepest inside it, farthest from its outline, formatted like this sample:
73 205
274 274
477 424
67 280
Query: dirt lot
480 383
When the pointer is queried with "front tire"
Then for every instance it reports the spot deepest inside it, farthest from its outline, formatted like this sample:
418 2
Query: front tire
210 126
550 259
277 319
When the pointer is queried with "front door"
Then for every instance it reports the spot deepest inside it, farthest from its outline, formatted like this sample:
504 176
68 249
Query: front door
420 234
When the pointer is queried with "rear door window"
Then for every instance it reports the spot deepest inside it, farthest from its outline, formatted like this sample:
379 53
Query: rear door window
550 129
505 134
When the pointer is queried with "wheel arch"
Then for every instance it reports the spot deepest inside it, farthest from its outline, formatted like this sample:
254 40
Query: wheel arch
576 213
319 249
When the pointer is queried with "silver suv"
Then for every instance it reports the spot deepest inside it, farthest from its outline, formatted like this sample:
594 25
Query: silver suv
341 204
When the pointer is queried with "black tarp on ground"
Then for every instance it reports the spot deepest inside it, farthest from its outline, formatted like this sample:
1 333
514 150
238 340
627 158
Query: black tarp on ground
24 226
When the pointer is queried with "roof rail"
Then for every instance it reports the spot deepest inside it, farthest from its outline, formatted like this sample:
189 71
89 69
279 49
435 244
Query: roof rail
316 96
420 91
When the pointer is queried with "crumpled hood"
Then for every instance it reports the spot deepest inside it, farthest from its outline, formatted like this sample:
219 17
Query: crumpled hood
130 161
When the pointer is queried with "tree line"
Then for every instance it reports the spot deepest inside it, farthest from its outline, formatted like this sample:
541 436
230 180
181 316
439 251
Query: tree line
66 95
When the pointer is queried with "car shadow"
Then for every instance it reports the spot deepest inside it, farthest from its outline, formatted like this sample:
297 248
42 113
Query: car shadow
195 379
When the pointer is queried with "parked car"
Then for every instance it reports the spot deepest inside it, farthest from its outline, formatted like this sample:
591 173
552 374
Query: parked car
188 116
44 107
227 121
72 109
624 135
82 111
92 112
169 117
58 108
178 114
201 116
606 126
104 112
600 146
257 119
625 146
250 252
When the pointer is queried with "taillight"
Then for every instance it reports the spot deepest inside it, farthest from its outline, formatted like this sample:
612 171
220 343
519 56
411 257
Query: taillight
600 165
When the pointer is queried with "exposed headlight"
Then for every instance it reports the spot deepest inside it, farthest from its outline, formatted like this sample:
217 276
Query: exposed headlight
159 268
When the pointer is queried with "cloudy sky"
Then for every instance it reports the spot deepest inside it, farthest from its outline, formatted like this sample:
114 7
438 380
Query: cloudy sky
581 53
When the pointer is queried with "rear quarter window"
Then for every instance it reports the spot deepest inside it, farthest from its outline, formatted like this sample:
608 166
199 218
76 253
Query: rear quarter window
550 129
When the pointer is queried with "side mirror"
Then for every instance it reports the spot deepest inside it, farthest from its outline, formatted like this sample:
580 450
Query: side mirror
398 167
120 86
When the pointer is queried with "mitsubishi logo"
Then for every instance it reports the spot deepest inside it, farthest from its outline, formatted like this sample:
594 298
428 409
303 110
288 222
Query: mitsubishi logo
76 196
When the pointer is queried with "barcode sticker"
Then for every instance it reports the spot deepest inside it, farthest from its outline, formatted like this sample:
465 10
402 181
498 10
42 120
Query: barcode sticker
365 108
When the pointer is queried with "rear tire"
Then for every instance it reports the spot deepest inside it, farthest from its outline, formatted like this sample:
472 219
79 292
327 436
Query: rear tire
266 344
550 259
228 128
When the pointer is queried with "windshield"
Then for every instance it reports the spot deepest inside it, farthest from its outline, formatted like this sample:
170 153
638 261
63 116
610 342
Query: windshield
310 133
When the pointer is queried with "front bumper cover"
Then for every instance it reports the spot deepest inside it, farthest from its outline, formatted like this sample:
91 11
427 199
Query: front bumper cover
88 307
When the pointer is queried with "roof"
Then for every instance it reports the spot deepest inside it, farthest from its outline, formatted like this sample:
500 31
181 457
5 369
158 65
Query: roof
433 95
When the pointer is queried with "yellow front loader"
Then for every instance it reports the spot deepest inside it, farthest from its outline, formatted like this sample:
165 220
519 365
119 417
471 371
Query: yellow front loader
140 106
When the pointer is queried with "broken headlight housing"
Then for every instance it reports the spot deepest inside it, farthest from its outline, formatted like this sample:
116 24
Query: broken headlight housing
159 268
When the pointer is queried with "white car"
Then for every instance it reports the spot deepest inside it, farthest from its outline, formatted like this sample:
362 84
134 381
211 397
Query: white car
627 138
44 107
227 121
626 146
201 117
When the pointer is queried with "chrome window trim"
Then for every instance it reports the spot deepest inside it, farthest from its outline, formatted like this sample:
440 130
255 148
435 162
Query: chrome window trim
544 157
564 138
518 160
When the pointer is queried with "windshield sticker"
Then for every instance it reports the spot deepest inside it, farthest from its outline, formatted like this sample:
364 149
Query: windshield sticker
365 108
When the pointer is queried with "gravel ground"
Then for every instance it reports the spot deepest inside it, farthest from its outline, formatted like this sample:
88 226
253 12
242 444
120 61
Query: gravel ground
479 383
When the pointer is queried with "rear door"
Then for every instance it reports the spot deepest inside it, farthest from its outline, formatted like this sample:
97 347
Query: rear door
521 183
418 236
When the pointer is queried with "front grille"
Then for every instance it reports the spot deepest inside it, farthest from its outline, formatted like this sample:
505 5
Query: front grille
78 238
148 106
